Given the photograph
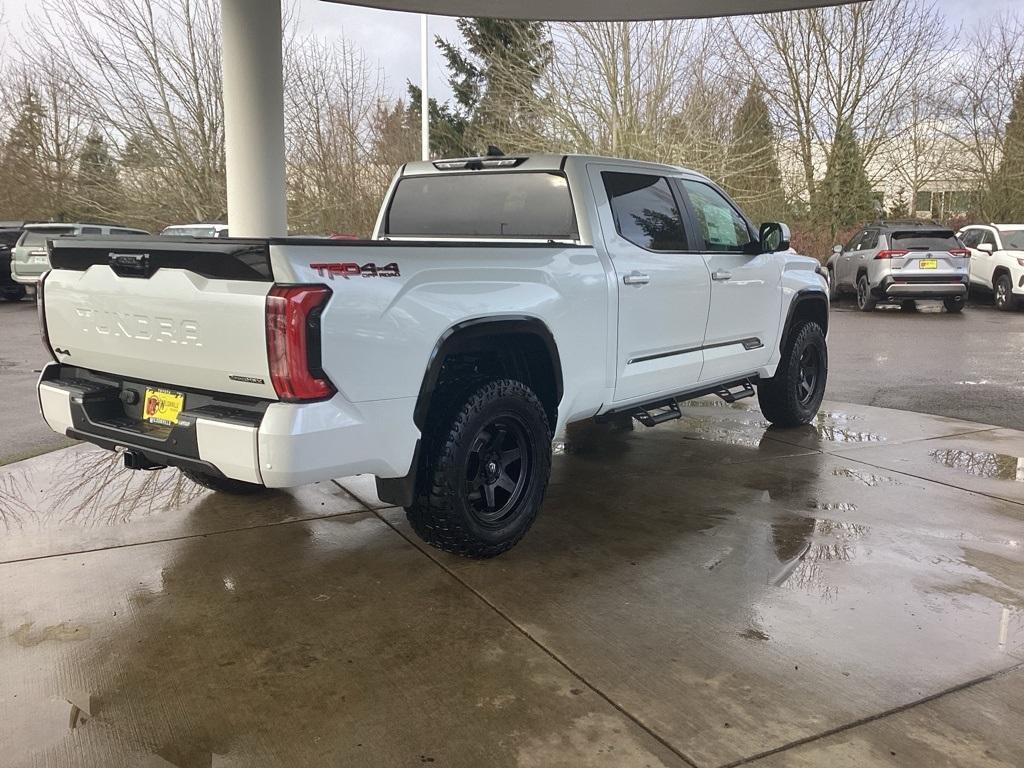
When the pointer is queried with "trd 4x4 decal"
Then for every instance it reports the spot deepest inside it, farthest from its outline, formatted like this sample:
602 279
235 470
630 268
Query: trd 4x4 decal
351 269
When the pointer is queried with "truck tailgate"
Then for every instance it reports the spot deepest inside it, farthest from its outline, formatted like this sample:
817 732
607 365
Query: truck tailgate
189 314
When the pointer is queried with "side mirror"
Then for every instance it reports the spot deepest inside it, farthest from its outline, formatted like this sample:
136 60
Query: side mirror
774 237
986 247
837 249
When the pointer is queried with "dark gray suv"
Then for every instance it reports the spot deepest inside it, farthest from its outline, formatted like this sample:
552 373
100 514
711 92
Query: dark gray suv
900 261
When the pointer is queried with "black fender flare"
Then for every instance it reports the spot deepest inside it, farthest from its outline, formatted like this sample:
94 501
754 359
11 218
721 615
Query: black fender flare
804 298
462 335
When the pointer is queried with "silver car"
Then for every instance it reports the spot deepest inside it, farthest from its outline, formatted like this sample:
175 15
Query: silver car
899 262
29 259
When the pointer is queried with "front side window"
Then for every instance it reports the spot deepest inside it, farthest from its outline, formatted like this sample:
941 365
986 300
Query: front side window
971 238
855 241
721 224
483 204
645 211
987 237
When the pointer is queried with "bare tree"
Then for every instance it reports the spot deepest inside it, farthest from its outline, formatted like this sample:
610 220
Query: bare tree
857 65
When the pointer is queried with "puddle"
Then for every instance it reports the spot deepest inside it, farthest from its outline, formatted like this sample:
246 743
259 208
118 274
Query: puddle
996 466
865 477
804 545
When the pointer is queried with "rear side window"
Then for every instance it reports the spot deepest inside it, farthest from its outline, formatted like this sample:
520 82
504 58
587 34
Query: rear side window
482 204
645 211
36 238
869 241
721 224
925 240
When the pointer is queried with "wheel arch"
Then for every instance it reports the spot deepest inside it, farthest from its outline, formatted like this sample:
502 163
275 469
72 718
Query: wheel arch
998 272
517 333
807 304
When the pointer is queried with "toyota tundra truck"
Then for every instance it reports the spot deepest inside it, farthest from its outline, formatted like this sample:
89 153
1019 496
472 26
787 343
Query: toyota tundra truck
499 299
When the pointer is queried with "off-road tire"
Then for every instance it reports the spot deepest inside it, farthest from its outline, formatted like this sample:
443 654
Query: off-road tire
1005 301
444 513
223 484
954 304
865 301
782 398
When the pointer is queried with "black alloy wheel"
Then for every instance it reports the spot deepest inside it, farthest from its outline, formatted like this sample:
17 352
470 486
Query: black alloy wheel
497 467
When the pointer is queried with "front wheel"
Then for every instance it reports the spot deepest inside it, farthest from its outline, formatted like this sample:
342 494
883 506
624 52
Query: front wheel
223 484
954 304
793 395
485 471
1003 290
833 288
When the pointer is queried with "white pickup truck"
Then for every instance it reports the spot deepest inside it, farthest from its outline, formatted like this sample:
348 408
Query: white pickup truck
500 299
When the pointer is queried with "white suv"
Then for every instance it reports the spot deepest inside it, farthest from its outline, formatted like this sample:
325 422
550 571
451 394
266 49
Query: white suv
997 261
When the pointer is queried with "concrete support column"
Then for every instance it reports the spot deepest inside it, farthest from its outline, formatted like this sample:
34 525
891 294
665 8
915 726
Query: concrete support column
254 118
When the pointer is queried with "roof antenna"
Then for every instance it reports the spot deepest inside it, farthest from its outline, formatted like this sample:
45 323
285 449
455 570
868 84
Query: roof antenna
493 151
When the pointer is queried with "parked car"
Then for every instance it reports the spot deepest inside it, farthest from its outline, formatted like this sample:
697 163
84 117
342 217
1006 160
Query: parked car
29 256
997 261
501 299
900 262
10 231
209 229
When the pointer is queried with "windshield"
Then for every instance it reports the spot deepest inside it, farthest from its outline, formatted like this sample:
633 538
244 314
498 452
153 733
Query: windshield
36 238
1013 240
199 231
926 240
482 204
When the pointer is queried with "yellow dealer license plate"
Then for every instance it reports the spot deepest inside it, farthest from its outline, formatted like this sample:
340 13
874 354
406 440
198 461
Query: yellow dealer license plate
162 407
928 264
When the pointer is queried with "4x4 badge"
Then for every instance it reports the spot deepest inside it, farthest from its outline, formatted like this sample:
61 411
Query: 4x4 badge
350 269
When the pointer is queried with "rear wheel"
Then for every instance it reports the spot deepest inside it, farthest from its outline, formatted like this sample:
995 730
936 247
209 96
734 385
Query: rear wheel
865 302
793 395
486 468
13 293
223 484
1004 297
954 304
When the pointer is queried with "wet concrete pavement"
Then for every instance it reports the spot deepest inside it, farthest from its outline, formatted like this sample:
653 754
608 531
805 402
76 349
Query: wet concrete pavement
711 592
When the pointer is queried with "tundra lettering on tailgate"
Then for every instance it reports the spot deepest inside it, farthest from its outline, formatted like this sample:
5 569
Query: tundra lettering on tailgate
351 269
140 327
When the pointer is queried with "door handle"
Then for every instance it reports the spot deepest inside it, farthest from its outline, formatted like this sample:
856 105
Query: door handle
636 278
721 274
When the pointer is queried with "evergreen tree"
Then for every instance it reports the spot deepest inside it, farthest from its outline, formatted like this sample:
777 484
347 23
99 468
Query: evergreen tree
753 175
845 197
23 164
1005 200
447 127
97 188
900 206
494 77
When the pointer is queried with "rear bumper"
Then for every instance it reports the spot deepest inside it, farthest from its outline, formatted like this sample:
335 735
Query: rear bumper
279 445
931 288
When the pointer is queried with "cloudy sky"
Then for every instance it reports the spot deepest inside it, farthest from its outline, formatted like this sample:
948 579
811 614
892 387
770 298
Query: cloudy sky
392 39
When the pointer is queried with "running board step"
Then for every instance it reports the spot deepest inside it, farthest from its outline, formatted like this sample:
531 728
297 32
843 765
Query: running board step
732 394
658 413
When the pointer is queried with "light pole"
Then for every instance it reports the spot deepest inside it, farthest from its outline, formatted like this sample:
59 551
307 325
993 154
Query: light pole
424 95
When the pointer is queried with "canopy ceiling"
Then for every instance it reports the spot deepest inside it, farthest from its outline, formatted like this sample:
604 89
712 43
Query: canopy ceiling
591 10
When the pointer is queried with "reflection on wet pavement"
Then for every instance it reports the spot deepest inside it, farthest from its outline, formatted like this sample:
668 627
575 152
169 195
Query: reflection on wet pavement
999 466
706 579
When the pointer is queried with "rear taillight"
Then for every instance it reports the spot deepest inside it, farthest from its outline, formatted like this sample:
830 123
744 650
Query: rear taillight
960 253
889 253
293 342
41 312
